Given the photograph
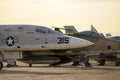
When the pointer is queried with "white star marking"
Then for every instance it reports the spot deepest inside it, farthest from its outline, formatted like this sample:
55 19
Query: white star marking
10 41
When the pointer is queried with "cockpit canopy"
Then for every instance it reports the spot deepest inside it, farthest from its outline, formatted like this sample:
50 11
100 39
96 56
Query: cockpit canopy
92 34
41 29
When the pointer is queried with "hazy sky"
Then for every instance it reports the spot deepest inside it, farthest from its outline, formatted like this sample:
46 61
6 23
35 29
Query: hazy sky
103 14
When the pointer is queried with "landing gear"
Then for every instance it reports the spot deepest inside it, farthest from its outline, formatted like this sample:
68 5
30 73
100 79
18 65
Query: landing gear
1 65
77 59
86 62
76 63
102 62
102 59
88 65
11 63
30 65
117 63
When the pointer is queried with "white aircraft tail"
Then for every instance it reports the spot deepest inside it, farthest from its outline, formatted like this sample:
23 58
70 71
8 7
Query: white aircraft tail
70 29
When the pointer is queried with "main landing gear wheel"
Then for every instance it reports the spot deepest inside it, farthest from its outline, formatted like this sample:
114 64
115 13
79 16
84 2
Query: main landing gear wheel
1 65
30 65
76 63
86 62
102 62
117 63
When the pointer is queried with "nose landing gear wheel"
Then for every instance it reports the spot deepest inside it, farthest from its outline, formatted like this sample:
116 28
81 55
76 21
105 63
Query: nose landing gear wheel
1 65
30 65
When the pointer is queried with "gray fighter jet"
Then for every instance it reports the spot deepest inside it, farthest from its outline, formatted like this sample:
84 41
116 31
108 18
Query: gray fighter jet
36 44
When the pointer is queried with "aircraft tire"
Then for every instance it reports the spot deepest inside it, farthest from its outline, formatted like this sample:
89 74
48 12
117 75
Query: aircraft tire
88 65
30 65
1 65
76 63
117 64
102 62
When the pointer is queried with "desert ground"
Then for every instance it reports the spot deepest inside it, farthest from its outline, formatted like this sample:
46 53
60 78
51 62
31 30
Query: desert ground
65 72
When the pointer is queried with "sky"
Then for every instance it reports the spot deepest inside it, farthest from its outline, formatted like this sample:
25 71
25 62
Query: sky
104 15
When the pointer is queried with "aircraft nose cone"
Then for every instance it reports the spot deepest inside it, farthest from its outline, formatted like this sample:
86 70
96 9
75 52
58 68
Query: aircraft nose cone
79 42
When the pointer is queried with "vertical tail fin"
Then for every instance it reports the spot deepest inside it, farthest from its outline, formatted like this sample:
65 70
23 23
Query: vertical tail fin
93 29
108 35
70 29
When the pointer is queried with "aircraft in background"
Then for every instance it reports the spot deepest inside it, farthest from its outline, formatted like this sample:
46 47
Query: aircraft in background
110 56
100 51
109 36
36 44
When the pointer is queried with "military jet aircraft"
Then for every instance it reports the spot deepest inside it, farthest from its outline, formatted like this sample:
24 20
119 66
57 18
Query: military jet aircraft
113 56
110 56
36 44
102 48
109 36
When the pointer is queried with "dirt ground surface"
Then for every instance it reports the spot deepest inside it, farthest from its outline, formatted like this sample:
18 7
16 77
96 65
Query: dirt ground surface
65 72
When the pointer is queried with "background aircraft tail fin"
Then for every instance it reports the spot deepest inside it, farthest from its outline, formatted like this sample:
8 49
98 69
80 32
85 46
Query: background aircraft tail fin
70 29
108 35
93 29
